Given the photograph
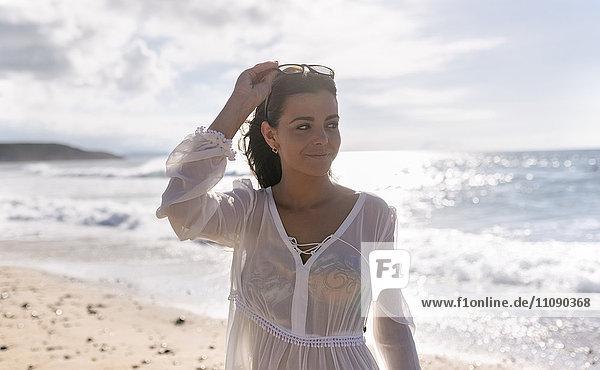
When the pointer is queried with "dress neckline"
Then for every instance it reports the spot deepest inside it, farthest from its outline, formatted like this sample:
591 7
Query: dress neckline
328 239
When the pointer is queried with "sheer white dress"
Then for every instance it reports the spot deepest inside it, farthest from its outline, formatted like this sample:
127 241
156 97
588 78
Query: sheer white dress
283 313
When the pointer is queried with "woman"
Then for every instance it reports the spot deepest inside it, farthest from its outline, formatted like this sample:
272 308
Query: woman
296 295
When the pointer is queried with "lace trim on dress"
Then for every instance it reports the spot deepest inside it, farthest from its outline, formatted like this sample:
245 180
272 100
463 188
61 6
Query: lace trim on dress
287 336
217 138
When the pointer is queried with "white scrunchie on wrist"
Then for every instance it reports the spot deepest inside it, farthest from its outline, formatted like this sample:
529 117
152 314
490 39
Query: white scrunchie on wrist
217 138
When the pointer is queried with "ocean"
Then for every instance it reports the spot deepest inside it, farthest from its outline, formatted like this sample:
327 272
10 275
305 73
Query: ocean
473 223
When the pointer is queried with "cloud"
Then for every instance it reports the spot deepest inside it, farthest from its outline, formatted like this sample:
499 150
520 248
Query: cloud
392 97
133 66
25 48
450 114
141 69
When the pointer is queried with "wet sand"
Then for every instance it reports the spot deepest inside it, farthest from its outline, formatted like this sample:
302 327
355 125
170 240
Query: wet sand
49 321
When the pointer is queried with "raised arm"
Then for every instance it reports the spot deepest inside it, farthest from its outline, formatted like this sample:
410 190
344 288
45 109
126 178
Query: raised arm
198 163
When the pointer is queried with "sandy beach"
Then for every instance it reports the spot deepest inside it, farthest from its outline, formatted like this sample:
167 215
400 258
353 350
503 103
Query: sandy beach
56 322
50 321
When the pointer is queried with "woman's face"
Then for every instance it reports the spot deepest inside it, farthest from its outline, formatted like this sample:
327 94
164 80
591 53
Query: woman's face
307 136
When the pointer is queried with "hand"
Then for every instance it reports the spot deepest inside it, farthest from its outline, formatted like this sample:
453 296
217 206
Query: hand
251 89
254 84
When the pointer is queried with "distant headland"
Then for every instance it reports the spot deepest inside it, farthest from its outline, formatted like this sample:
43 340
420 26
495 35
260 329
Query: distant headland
13 152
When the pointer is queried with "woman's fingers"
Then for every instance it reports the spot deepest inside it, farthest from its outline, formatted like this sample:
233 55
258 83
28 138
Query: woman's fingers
264 86
259 71
270 77
264 66
255 83
256 74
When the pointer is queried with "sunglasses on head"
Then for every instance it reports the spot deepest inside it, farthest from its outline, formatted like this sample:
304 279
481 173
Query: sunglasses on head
300 68
306 68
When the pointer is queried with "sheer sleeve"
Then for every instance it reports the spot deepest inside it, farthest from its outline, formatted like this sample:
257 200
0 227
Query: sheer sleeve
393 325
195 166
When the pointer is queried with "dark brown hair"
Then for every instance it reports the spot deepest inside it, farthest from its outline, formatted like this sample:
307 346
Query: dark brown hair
264 163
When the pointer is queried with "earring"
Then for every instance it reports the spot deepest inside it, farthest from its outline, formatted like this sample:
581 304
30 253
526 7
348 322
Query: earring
274 150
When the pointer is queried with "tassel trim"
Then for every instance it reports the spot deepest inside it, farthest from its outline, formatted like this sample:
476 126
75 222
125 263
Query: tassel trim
289 337
217 138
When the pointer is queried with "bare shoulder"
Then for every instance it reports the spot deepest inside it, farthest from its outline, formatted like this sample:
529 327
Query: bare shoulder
349 195
346 193
376 202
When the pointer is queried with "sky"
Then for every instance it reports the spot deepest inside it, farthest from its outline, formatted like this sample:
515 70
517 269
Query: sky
130 76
